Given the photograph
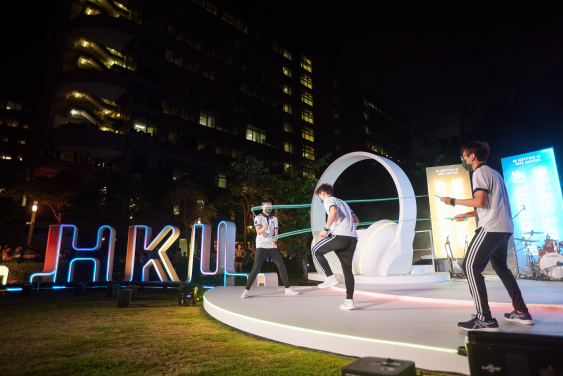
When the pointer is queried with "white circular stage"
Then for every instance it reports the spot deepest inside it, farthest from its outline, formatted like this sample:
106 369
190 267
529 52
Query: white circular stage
415 322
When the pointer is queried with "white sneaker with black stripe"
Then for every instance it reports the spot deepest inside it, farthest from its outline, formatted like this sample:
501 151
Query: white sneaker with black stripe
330 281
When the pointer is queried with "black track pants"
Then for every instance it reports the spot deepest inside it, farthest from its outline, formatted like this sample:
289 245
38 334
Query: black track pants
492 246
260 255
344 247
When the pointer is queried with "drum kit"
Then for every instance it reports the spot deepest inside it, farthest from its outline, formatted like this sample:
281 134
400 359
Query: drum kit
550 260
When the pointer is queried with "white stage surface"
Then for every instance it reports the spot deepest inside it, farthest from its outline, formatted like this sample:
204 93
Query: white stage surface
415 322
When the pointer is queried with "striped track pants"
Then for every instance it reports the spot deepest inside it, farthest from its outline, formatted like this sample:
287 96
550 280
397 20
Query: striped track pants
344 247
491 246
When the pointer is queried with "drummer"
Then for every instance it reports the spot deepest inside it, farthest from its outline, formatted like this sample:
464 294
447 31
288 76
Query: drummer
490 241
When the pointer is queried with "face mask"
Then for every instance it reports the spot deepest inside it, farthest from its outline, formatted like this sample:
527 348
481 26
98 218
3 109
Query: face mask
267 209
466 165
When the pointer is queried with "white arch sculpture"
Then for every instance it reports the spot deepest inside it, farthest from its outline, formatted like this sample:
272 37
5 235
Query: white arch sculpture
385 248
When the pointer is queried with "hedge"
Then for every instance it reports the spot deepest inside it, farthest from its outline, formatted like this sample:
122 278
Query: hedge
20 273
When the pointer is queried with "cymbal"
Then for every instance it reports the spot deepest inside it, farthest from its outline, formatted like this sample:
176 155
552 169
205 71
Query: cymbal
526 240
532 233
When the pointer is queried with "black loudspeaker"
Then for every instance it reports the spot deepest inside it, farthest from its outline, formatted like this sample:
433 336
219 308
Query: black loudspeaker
112 290
370 366
514 354
27 290
123 298
80 289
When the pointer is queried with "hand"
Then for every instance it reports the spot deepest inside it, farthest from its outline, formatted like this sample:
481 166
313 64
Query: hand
323 233
446 200
460 217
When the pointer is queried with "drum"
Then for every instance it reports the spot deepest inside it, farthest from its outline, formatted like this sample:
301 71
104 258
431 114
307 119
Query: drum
551 265
549 246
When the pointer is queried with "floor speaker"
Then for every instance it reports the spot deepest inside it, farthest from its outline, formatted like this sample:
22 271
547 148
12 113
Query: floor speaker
123 298
370 366
514 354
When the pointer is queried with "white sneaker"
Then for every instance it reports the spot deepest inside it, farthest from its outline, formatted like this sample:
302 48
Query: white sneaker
330 281
245 294
290 291
348 304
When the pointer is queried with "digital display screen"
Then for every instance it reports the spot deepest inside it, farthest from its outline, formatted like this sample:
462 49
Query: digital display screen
534 190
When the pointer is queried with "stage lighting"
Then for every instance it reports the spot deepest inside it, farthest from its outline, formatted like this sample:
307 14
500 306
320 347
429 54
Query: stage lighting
188 295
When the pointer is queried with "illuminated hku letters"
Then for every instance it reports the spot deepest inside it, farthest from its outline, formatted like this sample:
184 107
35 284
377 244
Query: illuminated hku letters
132 245
225 260
53 251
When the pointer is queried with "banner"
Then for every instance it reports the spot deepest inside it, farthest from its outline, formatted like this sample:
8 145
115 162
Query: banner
533 184
450 181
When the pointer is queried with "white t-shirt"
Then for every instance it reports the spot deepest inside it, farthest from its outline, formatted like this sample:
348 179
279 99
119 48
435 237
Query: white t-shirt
343 224
495 215
265 240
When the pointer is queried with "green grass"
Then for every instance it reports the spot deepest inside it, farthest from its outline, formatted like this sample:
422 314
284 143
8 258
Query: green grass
57 333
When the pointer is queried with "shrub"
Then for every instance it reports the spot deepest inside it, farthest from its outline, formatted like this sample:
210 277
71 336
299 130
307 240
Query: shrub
20 273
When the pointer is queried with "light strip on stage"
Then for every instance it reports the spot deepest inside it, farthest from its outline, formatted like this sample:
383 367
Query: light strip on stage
373 340
447 301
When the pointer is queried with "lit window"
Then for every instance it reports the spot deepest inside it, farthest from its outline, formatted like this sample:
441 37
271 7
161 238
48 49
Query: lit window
288 108
287 89
287 166
308 134
287 54
288 147
307 115
309 152
169 56
307 98
306 81
366 116
221 180
306 63
287 127
255 134
367 130
287 72
207 119
335 113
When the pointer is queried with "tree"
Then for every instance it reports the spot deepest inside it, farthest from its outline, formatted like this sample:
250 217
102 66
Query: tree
55 192
250 183
296 188
190 204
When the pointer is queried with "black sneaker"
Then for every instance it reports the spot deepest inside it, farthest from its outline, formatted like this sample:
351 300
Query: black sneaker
476 324
520 318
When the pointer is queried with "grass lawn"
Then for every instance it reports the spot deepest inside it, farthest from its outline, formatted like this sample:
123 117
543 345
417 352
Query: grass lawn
57 333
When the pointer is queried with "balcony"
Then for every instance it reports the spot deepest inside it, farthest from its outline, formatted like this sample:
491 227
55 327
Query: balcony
98 83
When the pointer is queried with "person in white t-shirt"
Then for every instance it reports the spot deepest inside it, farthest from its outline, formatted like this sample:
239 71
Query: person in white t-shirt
339 236
267 246
490 241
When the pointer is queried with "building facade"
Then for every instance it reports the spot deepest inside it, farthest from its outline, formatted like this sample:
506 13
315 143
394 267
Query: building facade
176 89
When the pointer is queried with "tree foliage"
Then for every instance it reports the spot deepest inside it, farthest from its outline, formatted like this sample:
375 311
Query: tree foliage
55 193
190 204
249 184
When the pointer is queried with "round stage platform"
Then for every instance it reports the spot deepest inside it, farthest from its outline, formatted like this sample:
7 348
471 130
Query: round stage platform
415 322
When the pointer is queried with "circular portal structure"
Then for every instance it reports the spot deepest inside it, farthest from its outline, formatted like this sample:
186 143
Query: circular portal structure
379 252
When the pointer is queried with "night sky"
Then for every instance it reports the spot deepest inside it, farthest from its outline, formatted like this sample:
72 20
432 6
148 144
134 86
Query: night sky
429 60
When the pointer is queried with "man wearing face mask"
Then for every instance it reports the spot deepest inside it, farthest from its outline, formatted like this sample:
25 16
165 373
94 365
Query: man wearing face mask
490 241
267 227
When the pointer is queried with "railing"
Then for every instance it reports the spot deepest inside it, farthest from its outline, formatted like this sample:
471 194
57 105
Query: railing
433 256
